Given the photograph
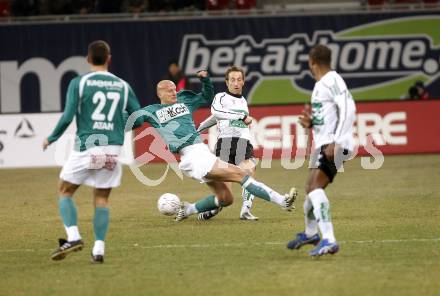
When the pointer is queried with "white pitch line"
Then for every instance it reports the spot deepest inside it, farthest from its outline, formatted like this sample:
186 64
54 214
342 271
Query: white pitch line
388 241
225 245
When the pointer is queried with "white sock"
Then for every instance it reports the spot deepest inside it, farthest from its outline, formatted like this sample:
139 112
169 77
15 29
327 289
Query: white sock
248 200
72 233
311 224
99 248
277 198
321 210
191 209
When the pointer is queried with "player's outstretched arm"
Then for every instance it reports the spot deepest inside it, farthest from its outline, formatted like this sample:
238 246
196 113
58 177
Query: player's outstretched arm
195 101
207 86
68 114
207 123
132 106
202 74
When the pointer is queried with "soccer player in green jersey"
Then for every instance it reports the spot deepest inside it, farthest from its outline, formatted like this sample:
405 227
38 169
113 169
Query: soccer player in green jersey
98 100
172 118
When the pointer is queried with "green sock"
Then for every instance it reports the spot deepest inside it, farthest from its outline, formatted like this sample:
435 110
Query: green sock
206 204
100 222
256 188
68 211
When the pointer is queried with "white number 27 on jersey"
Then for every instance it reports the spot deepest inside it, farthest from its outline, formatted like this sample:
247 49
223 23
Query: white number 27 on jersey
101 98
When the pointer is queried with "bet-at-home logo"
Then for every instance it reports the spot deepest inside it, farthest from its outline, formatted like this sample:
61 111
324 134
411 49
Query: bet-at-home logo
379 60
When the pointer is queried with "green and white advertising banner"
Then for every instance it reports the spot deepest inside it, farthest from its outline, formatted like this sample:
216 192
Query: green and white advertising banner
379 59
380 55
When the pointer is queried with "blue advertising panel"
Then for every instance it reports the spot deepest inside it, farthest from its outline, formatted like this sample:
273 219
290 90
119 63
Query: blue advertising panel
379 54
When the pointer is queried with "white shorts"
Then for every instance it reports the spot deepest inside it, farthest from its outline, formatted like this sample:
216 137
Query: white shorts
196 161
97 167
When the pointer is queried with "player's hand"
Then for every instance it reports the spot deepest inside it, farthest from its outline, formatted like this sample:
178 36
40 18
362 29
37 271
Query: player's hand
45 144
305 119
202 74
248 120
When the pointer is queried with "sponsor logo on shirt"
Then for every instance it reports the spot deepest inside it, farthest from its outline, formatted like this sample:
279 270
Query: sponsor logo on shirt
105 83
171 112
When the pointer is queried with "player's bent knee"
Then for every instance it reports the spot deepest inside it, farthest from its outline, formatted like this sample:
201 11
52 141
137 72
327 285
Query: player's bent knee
101 202
66 188
226 202
225 196
227 199
248 171
237 173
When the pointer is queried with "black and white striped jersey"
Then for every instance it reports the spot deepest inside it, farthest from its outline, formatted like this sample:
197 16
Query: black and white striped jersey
229 111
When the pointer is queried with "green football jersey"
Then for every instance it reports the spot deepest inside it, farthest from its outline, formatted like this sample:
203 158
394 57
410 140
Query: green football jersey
175 122
98 100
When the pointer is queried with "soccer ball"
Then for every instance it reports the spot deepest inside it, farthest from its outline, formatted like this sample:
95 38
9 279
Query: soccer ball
168 204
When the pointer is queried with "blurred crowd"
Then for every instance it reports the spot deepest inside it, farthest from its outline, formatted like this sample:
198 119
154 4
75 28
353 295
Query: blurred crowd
60 7
68 7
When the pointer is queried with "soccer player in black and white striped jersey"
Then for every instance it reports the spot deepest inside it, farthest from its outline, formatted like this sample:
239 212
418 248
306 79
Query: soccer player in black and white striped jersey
231 114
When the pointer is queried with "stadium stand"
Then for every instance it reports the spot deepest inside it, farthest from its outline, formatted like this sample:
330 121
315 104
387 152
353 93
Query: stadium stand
30 8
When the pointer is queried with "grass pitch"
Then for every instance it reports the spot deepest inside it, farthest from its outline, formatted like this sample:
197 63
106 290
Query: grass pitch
387 222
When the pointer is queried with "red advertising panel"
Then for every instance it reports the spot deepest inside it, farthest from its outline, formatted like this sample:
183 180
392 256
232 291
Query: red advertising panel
393 128
401 127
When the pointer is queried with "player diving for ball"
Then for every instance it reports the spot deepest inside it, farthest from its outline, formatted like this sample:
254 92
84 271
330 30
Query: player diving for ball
173 120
